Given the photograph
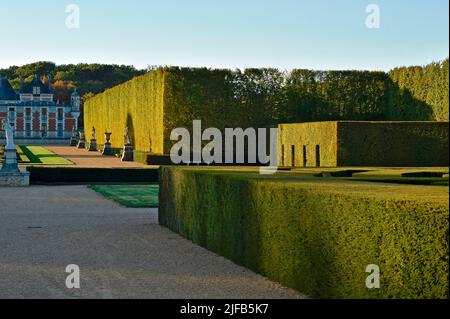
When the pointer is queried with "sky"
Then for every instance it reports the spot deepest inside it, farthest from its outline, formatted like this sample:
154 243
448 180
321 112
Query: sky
286 34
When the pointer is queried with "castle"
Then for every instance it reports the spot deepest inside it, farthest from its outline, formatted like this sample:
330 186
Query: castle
34 115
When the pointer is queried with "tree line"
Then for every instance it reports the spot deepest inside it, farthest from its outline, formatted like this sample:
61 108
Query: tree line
88 79
420 92
267 96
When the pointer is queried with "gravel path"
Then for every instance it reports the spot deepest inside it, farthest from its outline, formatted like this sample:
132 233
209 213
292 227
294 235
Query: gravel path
121 252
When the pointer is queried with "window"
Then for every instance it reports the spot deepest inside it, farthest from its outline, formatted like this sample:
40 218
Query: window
60 130
282 155
44 114
44 129
27 129
318 155
60 114
36 90
12 114
28 114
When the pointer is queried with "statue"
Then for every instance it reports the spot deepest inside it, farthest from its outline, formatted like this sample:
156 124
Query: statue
128 152
73 139
82 141
9 135
127 136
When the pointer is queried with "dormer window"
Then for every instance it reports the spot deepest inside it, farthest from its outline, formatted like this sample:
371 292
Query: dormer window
36 90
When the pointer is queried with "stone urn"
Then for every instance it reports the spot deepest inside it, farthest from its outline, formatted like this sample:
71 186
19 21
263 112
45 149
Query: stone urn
107 149
93 142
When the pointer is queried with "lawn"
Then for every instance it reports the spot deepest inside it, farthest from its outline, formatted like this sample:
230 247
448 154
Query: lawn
136 196
41 155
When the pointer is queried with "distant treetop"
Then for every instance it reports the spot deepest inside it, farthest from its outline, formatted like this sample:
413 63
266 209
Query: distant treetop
87 78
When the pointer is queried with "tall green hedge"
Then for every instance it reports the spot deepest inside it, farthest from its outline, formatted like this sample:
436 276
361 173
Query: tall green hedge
393 144
335 95
364 143
420 92
170 97
316 236
137 104
297 144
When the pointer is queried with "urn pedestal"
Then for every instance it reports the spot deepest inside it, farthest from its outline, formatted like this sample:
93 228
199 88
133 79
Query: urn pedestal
107 150
10 161
73 140
92 145
10 174
81 141
128 153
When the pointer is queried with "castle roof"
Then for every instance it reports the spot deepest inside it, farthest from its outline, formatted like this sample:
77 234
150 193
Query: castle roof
28 88
6 91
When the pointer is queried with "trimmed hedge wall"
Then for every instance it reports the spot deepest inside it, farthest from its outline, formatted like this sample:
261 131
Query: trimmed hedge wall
297 143
352 143
137 103
393 144
316 237
152 159
73 175
161 100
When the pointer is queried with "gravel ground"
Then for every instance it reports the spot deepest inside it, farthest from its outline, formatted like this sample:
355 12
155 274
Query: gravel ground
121 252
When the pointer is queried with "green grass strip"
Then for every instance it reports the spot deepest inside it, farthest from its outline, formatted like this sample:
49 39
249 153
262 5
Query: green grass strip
135 196
41 155
21 155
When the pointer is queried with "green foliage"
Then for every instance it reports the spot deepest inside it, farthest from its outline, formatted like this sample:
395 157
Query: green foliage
393 144
40 68
420 92
335 95
297 144
316 236
137 104
363 143
250 98
88 78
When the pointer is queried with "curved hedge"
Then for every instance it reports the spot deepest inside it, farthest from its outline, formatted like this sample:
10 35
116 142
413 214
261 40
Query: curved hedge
316 236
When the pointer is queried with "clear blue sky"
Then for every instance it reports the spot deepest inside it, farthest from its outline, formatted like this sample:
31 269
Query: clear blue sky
319 34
